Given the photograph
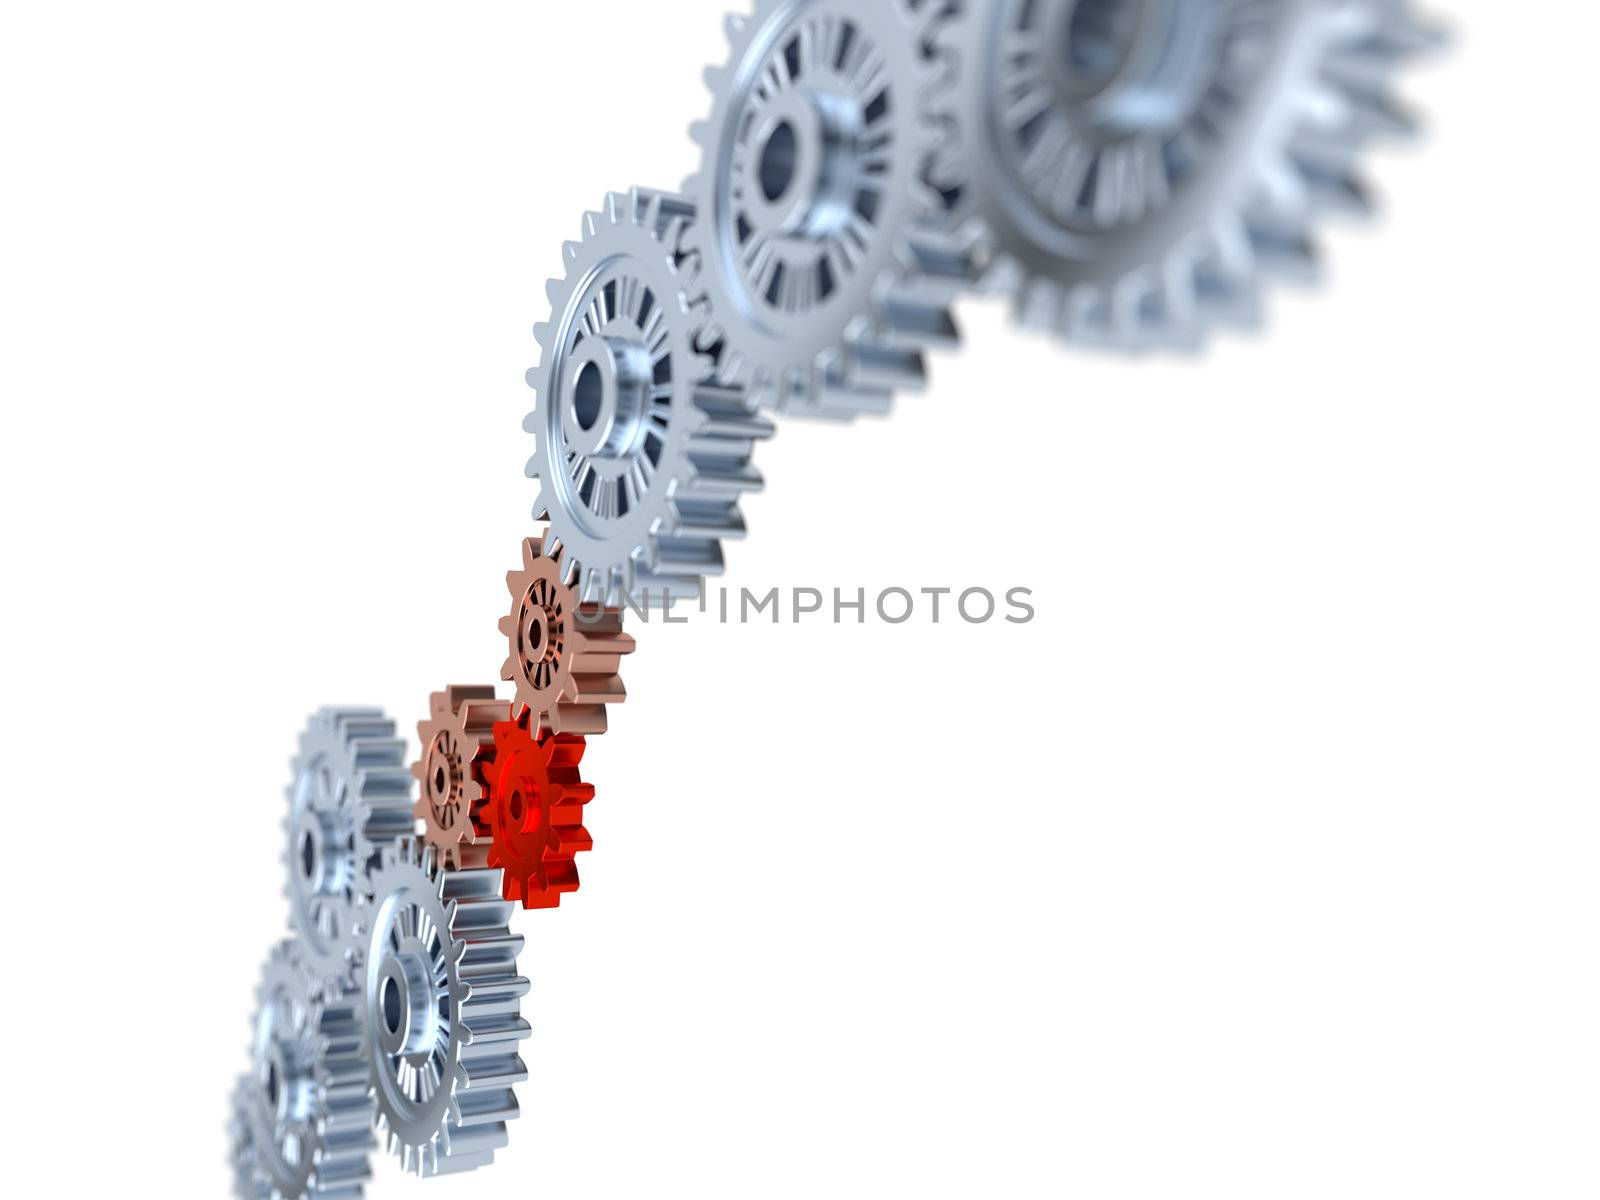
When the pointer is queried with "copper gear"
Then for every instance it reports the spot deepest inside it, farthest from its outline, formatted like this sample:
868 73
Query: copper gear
565 656
457 744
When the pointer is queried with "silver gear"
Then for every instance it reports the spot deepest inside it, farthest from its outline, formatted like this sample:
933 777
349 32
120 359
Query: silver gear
248 1181
813 202
641 458
307 1114
1129 169
349 796
442 1018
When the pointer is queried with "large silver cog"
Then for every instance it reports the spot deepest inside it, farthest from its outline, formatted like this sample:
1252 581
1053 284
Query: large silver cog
306 1118
812 200
641 457
441 1011
1130 169
349 797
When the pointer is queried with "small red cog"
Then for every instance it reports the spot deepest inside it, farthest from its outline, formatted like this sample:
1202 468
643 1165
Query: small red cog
534 814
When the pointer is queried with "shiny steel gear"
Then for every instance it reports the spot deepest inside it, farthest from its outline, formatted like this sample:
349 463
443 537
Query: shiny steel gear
812 200
641 459
565 656
307 1117
350 797
1129 169
456 739
442 1019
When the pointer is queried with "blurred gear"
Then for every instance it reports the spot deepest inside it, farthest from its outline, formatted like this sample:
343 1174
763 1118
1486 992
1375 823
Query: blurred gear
534 818
350 797
1129 169
248 1181
641 460
565 657
442 1019
811 198
307 1128
456 737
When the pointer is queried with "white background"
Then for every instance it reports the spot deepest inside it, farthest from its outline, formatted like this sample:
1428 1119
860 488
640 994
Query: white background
1262 865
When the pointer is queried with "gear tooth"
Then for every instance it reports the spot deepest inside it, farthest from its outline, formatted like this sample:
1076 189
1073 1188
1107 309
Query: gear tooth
1084 310
653 205
1411 32
1290 254
1342 192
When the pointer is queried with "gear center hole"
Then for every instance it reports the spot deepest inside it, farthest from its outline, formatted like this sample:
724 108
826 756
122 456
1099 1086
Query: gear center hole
393 1006
1100 37
588 396
1131 66
308 855
780 159
274 1085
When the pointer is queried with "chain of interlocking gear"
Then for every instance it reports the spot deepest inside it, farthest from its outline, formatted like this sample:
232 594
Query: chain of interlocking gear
1128 172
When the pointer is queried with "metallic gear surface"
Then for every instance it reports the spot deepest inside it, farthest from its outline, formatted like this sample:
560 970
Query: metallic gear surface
641 459
1130 169
442 1011
534 818
811 196
248 1181
455 739
349 798
565 656
308 1119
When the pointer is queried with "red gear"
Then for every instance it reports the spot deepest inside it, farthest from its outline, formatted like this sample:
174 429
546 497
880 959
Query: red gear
534 814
